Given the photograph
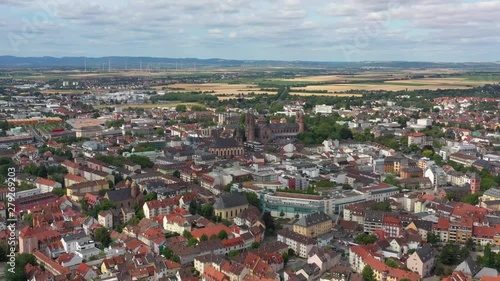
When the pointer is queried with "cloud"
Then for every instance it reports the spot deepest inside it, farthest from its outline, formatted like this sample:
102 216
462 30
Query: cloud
282 29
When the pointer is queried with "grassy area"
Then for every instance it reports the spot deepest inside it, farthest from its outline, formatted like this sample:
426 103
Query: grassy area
158 105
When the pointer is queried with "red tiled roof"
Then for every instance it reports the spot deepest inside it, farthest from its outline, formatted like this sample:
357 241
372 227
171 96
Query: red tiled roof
45 182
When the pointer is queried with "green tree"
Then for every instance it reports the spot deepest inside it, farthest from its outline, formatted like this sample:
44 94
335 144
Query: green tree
176 174
255 245
28 218
233 253
432 239
207 210
472 199
20 263
186 234
181 108
102 235
192 241
144 161
391 263
427 153
193 207
204 237
253 199
160 132
368 274
282 214
59 191
150 196
365 239
4 250
222 235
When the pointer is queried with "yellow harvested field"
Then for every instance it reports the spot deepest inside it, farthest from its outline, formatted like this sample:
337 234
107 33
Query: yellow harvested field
441 81
325 94
61 92
389 86
219 88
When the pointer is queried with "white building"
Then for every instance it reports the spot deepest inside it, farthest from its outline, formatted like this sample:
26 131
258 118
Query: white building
323 109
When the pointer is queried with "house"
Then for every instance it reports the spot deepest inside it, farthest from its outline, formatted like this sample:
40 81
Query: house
69 260
422 261
87 272
46 185
313 225
469 267
105 218
229 205
323 258
297 242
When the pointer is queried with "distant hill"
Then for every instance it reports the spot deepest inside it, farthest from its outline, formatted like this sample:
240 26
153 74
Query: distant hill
189 63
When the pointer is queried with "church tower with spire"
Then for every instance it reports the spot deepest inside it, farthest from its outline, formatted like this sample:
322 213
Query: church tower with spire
250 125
300 121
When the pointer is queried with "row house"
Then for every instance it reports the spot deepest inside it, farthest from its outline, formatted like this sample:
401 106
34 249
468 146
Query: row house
160 207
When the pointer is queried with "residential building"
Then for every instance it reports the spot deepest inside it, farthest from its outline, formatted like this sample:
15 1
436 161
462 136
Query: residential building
313 225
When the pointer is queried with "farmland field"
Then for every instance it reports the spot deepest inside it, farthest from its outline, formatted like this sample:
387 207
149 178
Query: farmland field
222 91
157 105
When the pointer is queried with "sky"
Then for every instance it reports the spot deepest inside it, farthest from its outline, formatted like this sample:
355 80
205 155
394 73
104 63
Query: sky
306 30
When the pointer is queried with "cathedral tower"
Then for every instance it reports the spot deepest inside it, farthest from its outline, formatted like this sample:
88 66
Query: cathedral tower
250 126
300 121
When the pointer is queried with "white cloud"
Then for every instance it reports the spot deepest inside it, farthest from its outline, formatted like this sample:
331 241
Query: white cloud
288 27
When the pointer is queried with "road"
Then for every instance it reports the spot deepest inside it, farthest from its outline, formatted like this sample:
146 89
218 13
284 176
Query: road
35 134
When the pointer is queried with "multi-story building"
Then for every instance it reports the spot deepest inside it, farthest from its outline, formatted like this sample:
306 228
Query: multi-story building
77 191
300 244
292 204
313 225
422 261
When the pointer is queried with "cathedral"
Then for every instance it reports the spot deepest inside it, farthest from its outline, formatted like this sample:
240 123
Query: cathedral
261 131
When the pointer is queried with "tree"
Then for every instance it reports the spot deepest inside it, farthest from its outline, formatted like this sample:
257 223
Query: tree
28 218
391 263
181 108
193 206
102 235
427 153
150 196
432 238
233 253
160 132
268 221
19 273
282 214
255 245
192 241
141 160
365 239
472 199
4 249
59 191
204 237
176 174
253 199
222 235
368 274
186 234
207 210
285 258
214 236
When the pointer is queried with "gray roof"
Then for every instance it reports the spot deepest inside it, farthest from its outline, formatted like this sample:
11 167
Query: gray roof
119 194
230 200
469 267
224 143
312 219
425 253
